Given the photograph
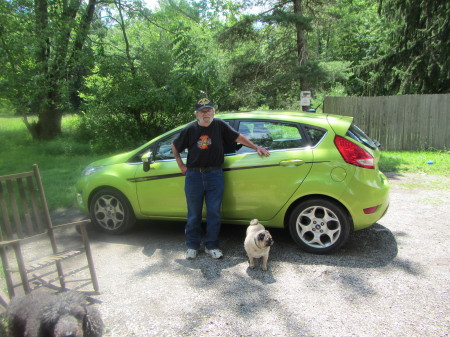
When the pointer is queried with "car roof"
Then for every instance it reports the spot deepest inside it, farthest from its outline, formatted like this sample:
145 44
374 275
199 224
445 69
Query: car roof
338 123
277 114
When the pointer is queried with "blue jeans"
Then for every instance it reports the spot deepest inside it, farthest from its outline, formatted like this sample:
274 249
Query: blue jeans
203 187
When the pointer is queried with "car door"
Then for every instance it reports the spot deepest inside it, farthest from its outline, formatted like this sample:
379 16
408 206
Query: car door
160 191
256 186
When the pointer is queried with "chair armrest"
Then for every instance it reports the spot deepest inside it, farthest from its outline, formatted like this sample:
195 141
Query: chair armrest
20 241
76 223
82 223
9 242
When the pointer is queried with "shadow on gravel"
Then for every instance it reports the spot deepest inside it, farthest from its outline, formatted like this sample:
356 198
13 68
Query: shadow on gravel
373 247
393 175
370 248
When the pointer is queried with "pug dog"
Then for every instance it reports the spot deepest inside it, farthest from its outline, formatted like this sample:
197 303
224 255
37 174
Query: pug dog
257 243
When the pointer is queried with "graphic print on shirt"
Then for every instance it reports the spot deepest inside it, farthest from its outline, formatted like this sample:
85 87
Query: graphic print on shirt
204 142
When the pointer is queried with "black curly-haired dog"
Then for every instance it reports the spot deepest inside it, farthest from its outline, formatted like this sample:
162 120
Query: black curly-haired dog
45 314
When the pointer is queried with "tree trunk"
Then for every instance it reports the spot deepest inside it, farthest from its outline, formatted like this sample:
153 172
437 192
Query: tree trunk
50 116
56 64
48 125
76 69
302 51
133 111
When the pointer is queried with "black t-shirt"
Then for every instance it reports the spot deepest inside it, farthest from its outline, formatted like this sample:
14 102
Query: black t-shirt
205 144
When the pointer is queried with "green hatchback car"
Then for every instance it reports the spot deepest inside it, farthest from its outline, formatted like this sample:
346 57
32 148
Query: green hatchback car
321 181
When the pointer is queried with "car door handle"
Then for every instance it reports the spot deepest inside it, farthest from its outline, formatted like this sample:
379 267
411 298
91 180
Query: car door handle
295 162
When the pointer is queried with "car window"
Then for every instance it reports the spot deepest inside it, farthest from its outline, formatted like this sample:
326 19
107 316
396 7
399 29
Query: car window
315 134
229 149
271 135
164 148
359 135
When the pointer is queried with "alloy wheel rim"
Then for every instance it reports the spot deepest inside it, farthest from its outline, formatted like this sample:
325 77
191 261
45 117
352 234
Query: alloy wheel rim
318 227
109 212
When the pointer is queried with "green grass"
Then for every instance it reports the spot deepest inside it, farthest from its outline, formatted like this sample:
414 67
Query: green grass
429 162
62 160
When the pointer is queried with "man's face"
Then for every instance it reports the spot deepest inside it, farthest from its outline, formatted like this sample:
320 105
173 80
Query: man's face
205 115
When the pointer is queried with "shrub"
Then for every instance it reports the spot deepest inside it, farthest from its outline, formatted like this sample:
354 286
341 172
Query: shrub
106 133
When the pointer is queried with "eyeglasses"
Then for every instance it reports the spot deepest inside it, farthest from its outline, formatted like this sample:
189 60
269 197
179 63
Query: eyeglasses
206 111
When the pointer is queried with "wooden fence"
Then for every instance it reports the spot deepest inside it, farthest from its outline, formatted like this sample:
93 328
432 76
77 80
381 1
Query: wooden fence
407 122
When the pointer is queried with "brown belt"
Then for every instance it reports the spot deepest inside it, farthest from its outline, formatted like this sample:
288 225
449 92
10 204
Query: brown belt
204 169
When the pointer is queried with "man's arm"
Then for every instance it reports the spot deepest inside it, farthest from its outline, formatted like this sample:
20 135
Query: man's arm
180 163
247 142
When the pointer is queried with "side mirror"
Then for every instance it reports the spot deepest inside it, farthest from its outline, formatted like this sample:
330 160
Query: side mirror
146 159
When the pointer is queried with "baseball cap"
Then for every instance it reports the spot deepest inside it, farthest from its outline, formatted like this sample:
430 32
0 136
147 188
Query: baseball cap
204 102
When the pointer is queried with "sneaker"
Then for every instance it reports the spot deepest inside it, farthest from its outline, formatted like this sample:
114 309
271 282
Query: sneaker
215 253
191 254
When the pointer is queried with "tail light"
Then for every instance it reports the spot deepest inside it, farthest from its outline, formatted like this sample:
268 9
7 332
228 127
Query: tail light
354 154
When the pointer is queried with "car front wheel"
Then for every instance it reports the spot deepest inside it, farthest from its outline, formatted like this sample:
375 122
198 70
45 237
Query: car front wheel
319 226
111 212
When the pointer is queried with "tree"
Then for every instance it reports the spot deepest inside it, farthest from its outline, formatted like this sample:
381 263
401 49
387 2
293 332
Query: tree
150 66
348 34
42 44
271 54
17 58
418 61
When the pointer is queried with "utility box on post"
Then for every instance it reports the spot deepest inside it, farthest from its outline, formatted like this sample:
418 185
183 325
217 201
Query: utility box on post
305 100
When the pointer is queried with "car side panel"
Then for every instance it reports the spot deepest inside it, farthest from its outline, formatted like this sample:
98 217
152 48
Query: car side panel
354 187
161 190
110 176
278 175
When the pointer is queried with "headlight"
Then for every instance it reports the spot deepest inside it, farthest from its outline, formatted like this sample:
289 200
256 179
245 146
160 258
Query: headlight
91 170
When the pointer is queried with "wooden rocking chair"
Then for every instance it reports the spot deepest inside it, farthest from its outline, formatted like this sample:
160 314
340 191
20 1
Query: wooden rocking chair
26 230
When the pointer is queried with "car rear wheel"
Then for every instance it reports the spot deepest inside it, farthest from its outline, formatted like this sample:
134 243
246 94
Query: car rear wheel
319 226
111 212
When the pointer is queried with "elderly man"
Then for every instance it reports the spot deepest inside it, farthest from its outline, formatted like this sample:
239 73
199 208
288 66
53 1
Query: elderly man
205 139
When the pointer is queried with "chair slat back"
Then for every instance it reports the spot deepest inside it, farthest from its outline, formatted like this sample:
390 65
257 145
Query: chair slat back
23 207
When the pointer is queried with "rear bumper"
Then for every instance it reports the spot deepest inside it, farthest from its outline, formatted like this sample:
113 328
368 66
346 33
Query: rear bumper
368 189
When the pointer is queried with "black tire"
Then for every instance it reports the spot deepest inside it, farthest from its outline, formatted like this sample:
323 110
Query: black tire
319 226
111 212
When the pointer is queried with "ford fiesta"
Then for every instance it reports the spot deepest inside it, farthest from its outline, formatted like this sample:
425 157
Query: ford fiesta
321 181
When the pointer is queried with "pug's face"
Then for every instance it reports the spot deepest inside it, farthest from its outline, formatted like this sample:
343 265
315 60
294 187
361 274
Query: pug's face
264 239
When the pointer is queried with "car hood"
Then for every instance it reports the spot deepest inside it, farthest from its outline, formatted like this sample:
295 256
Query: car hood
118 158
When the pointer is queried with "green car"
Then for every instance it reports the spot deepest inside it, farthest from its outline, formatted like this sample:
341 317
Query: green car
321 181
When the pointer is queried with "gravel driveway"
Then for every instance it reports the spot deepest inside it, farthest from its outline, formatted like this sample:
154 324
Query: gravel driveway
392 279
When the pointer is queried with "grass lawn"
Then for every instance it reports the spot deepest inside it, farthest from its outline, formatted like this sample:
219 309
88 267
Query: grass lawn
435 162
62 160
